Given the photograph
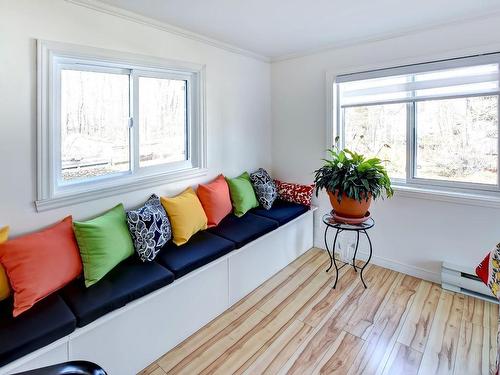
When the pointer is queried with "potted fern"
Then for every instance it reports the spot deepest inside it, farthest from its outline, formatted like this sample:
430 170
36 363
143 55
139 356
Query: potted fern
352 181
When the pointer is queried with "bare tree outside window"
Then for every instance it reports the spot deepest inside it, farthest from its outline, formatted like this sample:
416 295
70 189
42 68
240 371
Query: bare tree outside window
457 139
440 121
94 124
369 128
162 121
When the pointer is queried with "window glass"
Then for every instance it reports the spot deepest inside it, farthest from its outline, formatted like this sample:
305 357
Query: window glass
94 124
439 119
457 139
162 121
369 128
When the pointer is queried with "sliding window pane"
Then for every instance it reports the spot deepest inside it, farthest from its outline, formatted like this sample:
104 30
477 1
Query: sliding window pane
94 124
457 139
369 128
162 121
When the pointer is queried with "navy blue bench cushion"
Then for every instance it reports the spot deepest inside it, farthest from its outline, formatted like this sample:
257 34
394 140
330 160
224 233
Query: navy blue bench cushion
242 230
281 211
128 281
201 249
47 321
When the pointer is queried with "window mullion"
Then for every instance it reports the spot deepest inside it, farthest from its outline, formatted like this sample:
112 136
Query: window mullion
498 139
410 142
134 117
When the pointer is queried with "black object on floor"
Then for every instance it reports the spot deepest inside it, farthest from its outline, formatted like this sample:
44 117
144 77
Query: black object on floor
68 368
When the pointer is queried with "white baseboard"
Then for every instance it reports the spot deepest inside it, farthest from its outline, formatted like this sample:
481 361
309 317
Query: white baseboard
407 269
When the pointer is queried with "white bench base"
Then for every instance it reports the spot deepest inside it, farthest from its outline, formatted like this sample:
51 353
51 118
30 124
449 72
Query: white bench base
128 339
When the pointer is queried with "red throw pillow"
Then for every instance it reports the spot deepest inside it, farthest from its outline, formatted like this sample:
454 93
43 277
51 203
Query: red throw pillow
215 199
482 269
296 193
489 270
38 264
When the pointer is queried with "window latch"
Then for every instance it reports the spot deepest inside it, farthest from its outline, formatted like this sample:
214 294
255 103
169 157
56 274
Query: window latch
130 122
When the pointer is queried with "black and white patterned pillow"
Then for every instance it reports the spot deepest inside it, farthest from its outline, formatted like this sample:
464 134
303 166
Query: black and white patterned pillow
264 187
150 228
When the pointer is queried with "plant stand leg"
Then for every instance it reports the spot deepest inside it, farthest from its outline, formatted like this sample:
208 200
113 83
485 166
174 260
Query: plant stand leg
369 258
334 261
355 252
328 250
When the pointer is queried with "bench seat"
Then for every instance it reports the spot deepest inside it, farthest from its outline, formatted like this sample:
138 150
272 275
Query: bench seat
281 211
128 281
47 321
74 306
242 230
203 248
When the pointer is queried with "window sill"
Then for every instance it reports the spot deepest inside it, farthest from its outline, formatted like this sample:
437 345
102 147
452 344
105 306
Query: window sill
472 199
118 187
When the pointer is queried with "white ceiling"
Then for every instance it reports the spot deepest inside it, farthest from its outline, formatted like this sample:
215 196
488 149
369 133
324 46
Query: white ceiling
277 28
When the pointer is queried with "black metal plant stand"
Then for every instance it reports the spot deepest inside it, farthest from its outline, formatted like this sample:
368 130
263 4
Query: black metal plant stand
330 222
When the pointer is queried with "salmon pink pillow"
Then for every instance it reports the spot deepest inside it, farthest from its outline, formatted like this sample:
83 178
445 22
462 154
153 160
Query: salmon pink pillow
38 264
215 199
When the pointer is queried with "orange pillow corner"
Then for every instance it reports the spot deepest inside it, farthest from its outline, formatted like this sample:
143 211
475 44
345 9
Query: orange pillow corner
215 199
41 263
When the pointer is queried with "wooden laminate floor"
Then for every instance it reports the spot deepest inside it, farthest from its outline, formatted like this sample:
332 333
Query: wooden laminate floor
295 323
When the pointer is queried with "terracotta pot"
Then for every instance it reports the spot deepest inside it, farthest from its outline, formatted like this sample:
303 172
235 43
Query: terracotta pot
349 207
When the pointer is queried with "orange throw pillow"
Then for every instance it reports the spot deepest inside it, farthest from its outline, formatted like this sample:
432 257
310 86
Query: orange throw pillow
38 264
215 199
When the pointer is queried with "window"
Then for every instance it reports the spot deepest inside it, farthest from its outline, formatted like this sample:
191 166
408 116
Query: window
435 124
112 122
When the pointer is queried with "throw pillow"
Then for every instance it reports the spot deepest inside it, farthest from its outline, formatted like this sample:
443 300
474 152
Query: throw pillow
186 215
104 242
295 193
242 194
149 228
215 199
41 263
489 271
264 187
4 282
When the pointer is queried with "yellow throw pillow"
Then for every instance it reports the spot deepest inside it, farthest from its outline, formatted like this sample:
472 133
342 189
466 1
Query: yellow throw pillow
186 215
4 282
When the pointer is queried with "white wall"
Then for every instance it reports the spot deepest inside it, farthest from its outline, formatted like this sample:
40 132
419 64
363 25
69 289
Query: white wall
414 235
238 101
417 234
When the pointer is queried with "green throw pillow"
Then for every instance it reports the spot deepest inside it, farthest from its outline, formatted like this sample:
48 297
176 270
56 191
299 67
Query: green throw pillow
104 242
242 194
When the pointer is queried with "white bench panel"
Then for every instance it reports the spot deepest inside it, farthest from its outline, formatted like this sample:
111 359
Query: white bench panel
127 340
257 261
131 339
56 352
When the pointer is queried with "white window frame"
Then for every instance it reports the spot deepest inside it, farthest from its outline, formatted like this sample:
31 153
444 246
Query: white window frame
52 57
412 186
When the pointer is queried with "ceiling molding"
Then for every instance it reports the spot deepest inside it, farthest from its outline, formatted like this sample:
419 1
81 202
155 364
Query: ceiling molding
163 26
385 36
